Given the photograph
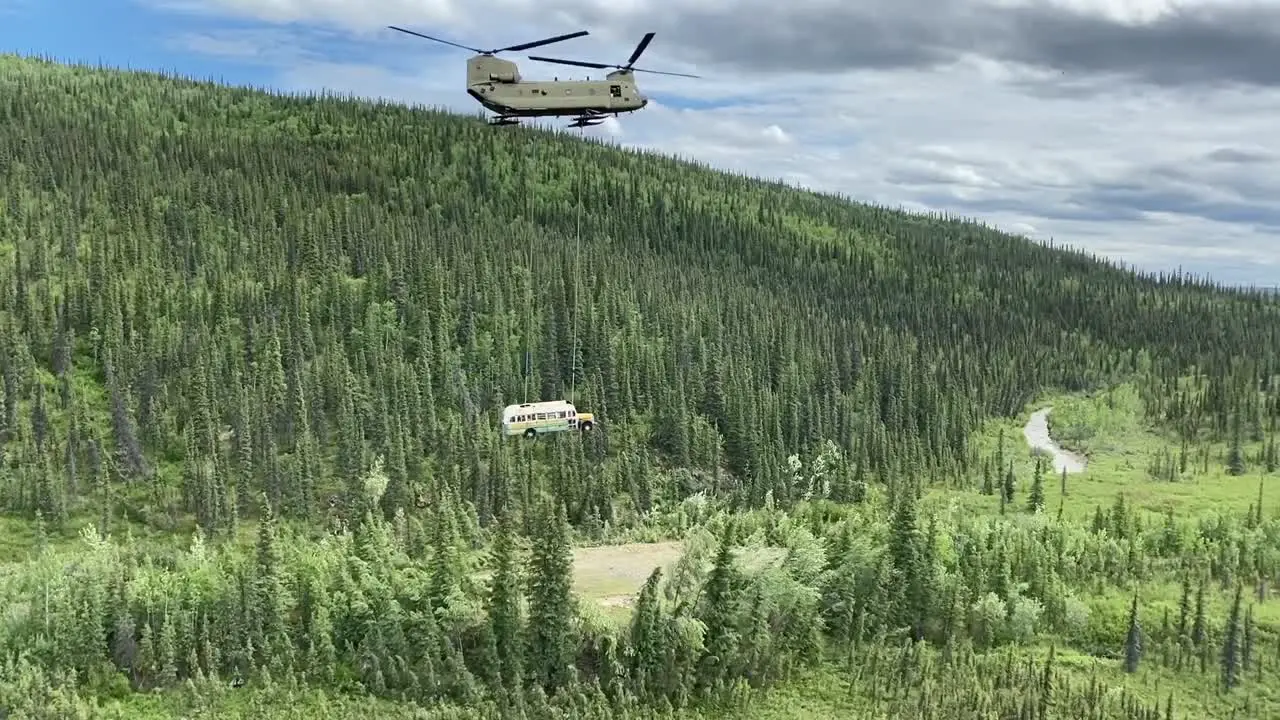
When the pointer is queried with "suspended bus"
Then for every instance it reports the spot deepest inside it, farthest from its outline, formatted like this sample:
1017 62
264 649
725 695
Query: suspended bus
534 419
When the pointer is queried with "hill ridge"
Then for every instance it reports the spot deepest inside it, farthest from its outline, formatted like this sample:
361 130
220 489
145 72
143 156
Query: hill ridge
561 134
456 245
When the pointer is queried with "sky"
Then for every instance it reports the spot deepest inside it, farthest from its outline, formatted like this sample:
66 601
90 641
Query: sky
1145 131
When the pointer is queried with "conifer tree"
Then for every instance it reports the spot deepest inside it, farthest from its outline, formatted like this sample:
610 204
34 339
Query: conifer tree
269 601
1235 455
1035 499
1231 650
445 565
718 612
1185 644
905 550
504 608
1133 640
647 639
1246 642
1200 629
552 606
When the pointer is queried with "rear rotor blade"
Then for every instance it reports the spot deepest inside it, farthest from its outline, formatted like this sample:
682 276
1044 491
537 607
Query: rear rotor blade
663 72
644 43
578 63
428 37
540 43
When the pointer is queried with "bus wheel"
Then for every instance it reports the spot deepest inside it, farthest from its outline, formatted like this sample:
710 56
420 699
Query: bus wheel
530 434
586 426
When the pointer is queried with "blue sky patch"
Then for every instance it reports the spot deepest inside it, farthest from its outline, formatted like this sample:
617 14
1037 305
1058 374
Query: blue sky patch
120 33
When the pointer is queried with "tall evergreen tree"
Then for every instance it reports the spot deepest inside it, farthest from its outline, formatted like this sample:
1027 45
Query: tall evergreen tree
504 608
552 604
718 612
1231 644
1035 499
1133 640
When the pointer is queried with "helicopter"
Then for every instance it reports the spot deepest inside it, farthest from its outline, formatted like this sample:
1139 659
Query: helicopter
496 84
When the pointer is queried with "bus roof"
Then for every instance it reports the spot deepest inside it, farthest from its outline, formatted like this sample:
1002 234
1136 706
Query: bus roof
537 406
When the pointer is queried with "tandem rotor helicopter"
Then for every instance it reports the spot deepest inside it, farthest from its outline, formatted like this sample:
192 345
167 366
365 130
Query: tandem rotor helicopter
496 84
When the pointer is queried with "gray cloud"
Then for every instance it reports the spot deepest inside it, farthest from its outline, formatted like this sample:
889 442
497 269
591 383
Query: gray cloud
1065 211
1244 189
1210 45
1238 156
1220 43
1172 201
1204 45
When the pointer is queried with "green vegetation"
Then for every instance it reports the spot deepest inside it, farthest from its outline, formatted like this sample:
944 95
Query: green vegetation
253 351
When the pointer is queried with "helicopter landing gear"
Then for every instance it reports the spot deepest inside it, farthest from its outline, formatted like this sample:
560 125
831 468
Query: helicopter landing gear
504 120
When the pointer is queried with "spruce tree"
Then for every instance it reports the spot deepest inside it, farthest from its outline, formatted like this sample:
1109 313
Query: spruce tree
647 639
1035 499
1200 629
1185 644
552 605
504 607
1231 650
718 612
1235 454
911 603
1133 639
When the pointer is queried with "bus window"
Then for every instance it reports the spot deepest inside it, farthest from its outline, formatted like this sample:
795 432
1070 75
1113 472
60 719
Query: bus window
541 416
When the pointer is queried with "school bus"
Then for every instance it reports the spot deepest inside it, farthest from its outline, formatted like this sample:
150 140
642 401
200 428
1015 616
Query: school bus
534 419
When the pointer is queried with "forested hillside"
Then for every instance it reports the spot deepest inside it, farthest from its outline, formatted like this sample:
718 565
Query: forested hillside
221 305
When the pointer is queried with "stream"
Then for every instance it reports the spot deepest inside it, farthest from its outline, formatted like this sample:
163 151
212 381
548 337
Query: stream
1036 432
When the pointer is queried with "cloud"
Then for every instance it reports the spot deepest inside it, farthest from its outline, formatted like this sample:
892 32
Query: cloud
1143 130
1205 44
1164 43
14 7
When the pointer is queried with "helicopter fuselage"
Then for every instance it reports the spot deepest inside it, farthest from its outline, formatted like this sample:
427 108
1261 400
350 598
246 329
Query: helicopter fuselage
497 85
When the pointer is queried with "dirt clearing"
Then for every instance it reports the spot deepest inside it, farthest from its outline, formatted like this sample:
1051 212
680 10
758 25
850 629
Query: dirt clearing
614 574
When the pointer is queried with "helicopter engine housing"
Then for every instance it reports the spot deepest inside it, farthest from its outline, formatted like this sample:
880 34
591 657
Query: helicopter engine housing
489 69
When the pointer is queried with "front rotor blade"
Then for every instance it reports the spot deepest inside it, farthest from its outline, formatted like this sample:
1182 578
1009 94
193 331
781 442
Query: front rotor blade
644 43
663 72
548 41
428 37
578 63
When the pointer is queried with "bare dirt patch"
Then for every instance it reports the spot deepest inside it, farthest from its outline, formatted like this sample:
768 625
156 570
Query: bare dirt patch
613 574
